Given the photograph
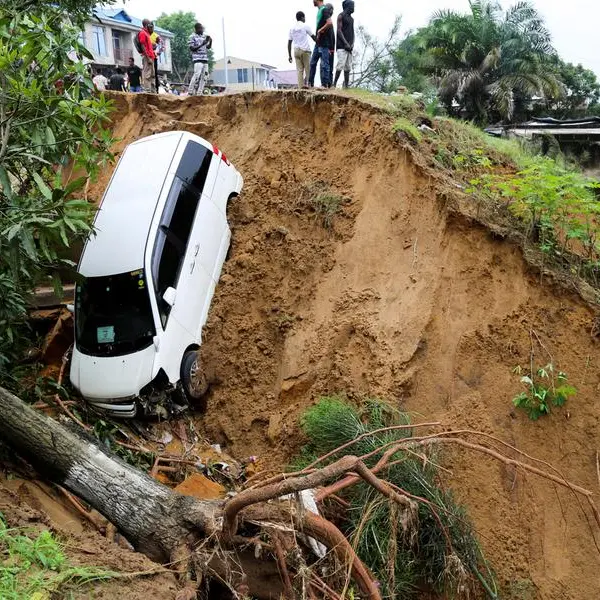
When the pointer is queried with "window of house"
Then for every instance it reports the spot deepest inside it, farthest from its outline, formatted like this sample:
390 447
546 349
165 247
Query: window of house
81 37
242 75
98 41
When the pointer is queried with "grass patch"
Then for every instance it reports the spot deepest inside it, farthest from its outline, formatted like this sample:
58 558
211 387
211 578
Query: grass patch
33 566
396 104
403 125
327 205
402 562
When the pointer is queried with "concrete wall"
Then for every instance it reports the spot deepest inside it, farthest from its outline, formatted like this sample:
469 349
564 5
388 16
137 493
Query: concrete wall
243 75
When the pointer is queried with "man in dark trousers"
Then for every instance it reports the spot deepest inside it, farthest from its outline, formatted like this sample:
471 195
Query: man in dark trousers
134 73
117 81
314 59
326 44
345 42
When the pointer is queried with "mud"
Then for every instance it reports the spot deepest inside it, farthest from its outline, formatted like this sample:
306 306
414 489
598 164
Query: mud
33 507
399 298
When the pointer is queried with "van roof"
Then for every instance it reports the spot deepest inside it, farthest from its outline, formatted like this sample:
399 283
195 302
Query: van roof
127 210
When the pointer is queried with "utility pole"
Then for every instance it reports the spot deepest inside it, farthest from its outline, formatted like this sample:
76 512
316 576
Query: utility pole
225 53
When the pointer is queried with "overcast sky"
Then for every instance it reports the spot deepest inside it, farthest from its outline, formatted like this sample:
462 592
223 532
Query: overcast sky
257 30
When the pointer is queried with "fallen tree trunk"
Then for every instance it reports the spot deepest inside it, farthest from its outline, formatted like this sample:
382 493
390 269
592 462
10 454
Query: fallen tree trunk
152 517
165 525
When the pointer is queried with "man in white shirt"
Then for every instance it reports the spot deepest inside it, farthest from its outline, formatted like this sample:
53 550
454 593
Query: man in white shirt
100 82
300 35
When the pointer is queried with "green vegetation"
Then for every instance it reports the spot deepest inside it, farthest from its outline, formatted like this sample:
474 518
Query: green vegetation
440 550
542 392
51 128
33 566
327 205
557 206
486 65
403 125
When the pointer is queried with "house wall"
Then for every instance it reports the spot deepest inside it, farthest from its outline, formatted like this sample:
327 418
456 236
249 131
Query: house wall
243 75
98 39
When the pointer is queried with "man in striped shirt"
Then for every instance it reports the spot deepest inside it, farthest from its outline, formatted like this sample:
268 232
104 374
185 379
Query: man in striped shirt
199 45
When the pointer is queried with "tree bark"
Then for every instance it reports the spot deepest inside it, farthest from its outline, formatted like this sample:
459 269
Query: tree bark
167 526
152 517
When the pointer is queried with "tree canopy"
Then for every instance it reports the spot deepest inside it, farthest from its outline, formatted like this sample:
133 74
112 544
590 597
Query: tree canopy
51 128
486 65
489 63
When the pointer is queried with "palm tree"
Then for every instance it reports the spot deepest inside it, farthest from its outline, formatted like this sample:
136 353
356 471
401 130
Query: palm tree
488 61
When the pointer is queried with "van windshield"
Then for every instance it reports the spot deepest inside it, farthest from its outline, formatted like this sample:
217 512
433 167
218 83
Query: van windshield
113 315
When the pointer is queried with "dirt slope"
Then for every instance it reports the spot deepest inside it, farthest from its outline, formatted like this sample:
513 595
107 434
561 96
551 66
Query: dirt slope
401 298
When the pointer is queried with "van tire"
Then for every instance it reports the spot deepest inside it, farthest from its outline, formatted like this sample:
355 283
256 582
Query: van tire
193 379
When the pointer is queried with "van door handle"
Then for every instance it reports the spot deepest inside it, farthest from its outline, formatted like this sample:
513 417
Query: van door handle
196 249
192 266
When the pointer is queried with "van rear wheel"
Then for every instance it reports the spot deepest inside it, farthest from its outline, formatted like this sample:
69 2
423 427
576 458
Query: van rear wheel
193 378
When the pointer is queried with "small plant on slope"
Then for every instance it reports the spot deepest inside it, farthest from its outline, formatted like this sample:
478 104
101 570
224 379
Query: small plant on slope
33 566
542 392
403 125
327 205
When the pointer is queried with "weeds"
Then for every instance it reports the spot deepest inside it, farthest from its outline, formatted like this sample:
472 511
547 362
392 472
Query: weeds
446 558
403 125
327 205
542 392
34 566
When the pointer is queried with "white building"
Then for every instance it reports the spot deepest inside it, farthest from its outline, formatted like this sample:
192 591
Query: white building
109 36
243 75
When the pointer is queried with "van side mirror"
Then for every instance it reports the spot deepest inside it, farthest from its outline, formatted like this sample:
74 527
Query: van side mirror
170 296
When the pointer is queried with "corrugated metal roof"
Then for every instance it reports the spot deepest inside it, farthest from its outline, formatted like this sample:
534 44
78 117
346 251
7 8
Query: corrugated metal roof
119 15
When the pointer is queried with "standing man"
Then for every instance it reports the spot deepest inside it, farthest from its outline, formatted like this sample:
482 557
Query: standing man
100 82
314 60
148 56
345 42
117 81
300 35
326 45
134 73
199 45
157 46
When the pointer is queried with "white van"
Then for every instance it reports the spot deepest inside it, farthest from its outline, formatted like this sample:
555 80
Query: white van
147 276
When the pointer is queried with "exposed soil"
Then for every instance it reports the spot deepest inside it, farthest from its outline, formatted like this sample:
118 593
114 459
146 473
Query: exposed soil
34 507
403 298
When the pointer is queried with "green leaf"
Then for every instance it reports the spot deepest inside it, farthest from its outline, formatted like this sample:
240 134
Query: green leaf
75 186
5 183
50 137
29 245
44 189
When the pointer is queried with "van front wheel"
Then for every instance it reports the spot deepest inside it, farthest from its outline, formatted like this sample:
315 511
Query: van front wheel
193 378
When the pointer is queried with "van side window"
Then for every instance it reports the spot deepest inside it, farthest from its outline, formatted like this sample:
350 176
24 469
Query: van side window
194 166
172 241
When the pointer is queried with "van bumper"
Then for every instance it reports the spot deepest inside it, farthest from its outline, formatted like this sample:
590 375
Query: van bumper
123 408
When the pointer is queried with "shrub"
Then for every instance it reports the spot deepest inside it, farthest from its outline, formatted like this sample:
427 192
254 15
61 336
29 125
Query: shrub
441 550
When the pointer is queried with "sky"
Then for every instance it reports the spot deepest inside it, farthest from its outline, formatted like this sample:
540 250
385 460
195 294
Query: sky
257 30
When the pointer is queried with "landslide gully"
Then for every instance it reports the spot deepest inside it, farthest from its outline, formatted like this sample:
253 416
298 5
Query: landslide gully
402 298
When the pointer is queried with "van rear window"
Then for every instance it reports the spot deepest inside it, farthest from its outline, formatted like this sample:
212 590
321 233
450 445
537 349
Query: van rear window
194 166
